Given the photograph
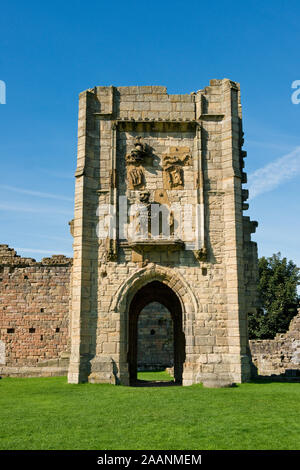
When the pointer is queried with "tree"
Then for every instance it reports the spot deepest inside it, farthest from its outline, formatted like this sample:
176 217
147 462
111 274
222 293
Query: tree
278 281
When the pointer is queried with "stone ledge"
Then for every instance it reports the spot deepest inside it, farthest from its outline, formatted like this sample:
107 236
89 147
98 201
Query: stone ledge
33 371
159 243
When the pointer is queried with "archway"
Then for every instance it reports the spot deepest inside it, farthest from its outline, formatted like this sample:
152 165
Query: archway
156 291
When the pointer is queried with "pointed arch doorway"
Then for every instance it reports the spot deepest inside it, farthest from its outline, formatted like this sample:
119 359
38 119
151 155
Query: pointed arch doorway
156 291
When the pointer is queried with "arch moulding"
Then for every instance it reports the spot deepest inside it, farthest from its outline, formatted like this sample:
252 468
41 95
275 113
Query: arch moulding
152 272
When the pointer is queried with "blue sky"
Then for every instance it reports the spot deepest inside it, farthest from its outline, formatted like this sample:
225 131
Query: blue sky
50 51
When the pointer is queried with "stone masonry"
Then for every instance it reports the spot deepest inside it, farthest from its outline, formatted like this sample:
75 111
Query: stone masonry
36 295
34 314
281 355
155 338
27 294
148 163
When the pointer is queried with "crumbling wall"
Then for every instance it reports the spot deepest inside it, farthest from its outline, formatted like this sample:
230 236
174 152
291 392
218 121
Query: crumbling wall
280 355
34 314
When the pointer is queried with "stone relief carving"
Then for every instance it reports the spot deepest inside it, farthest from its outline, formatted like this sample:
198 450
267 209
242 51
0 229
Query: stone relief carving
134 161
146 214
139 221
152 223
144 196
135 177
172 223
175 177
172 164
139 153
140 215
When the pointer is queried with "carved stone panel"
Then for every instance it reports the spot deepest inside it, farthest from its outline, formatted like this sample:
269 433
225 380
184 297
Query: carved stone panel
174 177
135 177
172 164
134 161
138 154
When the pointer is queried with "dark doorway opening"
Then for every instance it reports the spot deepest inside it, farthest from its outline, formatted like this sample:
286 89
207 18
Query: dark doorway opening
156 291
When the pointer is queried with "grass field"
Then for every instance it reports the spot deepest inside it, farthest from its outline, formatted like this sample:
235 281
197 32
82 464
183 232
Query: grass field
160 376
48 413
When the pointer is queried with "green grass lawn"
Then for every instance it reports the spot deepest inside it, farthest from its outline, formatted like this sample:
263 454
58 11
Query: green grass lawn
48 413
160 376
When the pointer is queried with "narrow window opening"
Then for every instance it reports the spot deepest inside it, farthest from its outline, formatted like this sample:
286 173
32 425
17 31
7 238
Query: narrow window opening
160 221
10 330
31 330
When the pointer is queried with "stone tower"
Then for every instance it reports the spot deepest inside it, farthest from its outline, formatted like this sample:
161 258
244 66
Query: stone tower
159 218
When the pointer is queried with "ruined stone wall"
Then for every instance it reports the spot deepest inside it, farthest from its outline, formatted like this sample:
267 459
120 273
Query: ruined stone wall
35 333
34 314
280 355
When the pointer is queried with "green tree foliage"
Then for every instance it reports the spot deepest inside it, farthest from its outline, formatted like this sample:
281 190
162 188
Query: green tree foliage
278 281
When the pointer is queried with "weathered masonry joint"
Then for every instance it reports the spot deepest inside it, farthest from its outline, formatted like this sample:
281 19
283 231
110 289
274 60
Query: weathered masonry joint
159 219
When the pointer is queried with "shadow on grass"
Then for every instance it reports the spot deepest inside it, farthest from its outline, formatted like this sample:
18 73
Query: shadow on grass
154 383
268 379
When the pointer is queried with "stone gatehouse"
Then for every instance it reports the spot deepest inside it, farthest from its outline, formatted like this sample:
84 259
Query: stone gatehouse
159 220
